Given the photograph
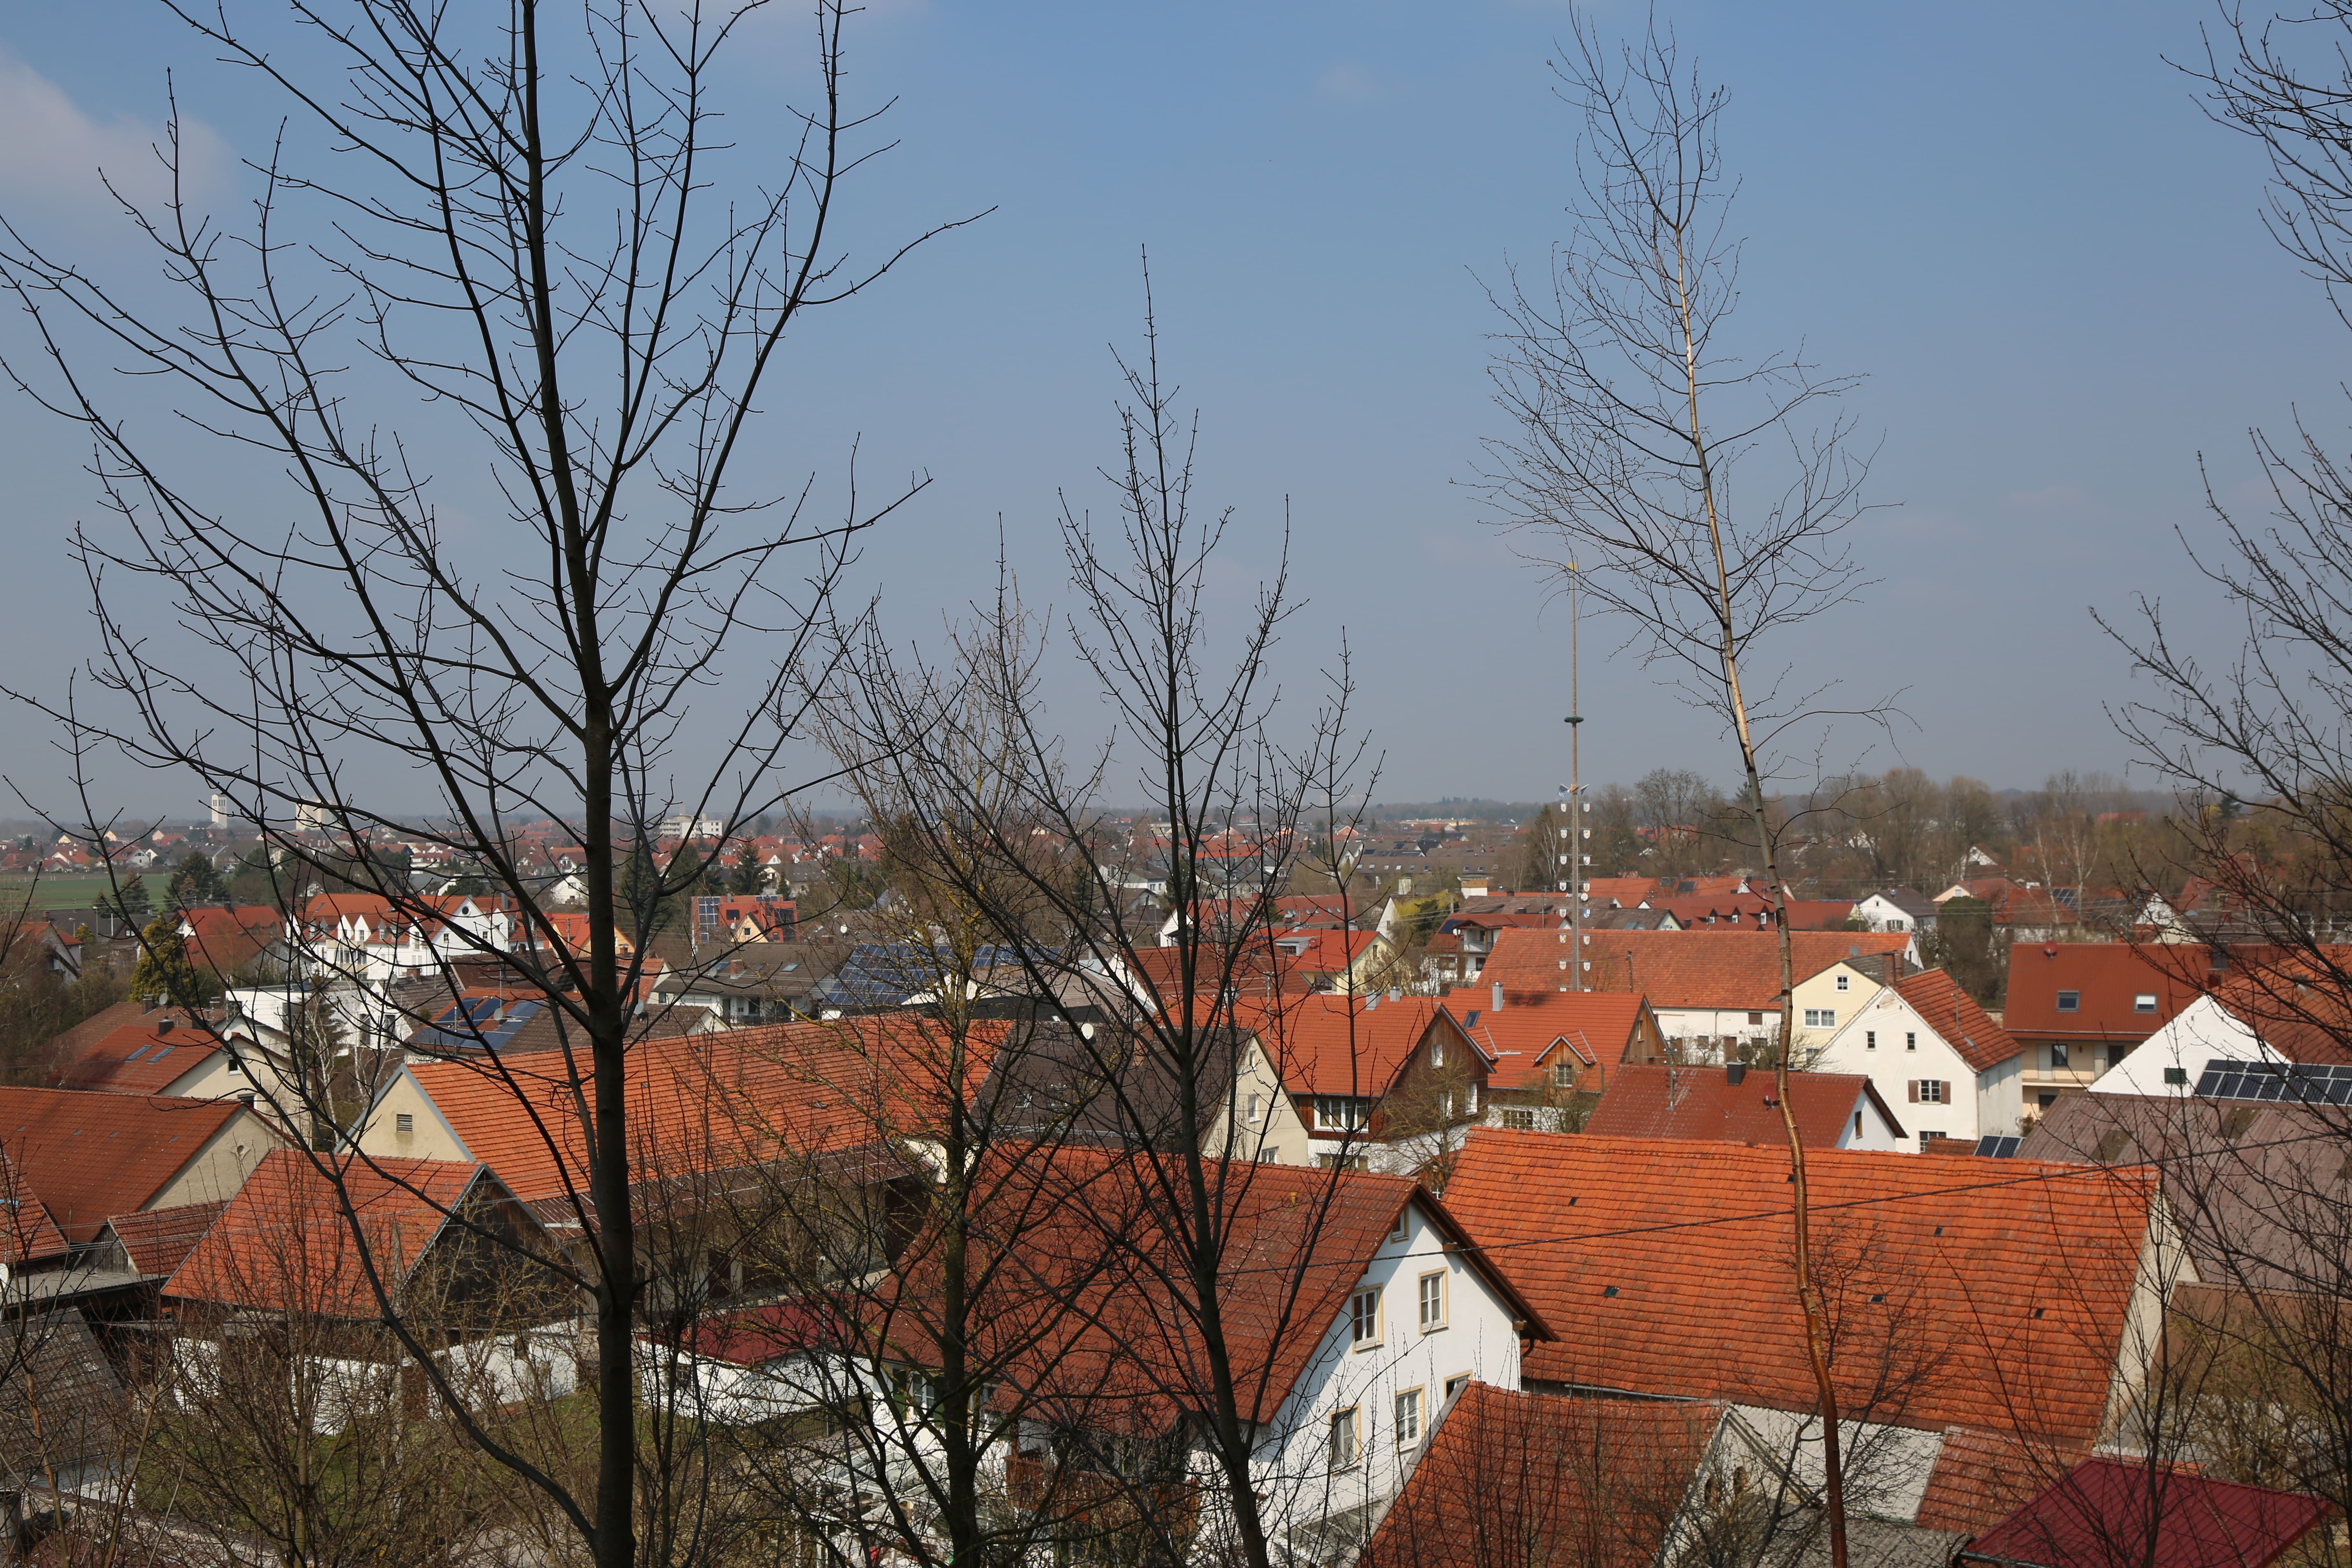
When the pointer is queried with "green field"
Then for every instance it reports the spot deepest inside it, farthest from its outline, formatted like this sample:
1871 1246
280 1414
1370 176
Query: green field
79 891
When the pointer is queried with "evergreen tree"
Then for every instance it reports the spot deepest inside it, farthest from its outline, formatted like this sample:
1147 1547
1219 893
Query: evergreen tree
748 870
163 975
194 882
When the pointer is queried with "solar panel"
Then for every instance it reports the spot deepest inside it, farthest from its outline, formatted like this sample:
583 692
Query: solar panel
2301 1083
1996 1147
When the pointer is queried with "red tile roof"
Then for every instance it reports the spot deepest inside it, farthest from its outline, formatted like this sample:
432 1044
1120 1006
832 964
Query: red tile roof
1957 1019
1668 1262
1256 969
2106 976
1331 1044
28 1232
707 1102
2117 1510
1104 1344
1522 1478
1725 969
285 1241
145 1057
1702 1104
157 1241
1981 1478
226 940
1595 1027
1626 890
93 1156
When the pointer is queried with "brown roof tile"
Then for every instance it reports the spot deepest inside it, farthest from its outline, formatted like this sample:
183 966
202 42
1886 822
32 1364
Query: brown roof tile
1523 1039
157 1241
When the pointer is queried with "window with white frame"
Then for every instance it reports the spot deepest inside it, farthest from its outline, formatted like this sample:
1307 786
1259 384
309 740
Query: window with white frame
1844 982
1364 1319
2144 1003
1433 1300
1408 1418
1341 1113
1821 1018
1870 1040
1518 1121
1928 1138
1252 1109
1344 1447
1910 1039
1436 1050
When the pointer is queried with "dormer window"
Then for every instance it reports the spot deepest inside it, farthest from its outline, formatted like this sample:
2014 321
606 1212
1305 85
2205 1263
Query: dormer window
2144 1003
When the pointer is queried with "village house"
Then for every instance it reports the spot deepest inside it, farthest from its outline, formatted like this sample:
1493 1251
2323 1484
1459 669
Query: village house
1715 992
80 1159
1544 1048
366 938
1664 1265
1739 1104
2263 1026
1931 1050
1369 1083
2080 1007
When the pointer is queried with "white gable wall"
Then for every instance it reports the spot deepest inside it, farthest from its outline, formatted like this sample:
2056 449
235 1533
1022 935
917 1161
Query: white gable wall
1888 1042
1478 1340
2201 1032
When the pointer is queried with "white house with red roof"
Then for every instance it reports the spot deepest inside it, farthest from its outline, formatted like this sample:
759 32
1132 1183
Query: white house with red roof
368 937
1934 1056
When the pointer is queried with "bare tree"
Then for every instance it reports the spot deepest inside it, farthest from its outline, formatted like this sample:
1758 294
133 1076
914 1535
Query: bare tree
526 227
1632 411
1228 808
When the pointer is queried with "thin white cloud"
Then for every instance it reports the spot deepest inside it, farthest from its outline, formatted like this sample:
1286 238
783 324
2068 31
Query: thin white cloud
52 149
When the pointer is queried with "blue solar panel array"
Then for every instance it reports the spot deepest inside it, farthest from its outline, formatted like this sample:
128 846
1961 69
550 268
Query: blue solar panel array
476 1025
2295 1083
1995 1147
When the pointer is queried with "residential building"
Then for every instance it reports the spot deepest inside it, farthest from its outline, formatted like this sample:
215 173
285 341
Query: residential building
1546 1048
367 938
2262 1022
2080 1007
1665 1266
89 1157
1716 994
1931 1050
1739 1104
1896 908
1386 1084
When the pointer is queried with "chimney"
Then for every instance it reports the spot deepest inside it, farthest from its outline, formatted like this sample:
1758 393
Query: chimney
1498 998
1733 1072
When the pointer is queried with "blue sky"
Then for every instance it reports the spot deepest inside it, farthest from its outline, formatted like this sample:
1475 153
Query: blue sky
2012 218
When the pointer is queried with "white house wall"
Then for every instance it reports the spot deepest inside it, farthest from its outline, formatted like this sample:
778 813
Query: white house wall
1478 1342
2201 1032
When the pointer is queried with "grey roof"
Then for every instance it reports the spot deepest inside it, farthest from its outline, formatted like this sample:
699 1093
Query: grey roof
59 1399
1917 905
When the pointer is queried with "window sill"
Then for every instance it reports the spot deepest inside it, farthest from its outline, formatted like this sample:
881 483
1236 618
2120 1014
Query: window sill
1434 1328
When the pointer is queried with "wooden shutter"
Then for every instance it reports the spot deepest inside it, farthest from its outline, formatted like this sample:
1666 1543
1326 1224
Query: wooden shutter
1914 1086
1947 1091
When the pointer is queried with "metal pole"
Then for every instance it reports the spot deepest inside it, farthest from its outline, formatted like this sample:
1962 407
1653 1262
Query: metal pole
1577 831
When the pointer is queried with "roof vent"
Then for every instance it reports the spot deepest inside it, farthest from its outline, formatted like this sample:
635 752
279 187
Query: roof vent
1733 1072
1612 1291
163 1025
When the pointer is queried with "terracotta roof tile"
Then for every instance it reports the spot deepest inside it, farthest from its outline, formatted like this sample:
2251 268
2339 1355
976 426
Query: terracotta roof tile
1524 1478
1332 1044
1524 1039
157 1241
707 1102
144 1058
1981 1476
93 1156
1665 1266
2105 977
1957 1019
28 1232
284 1241
1725 969
1702 1104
